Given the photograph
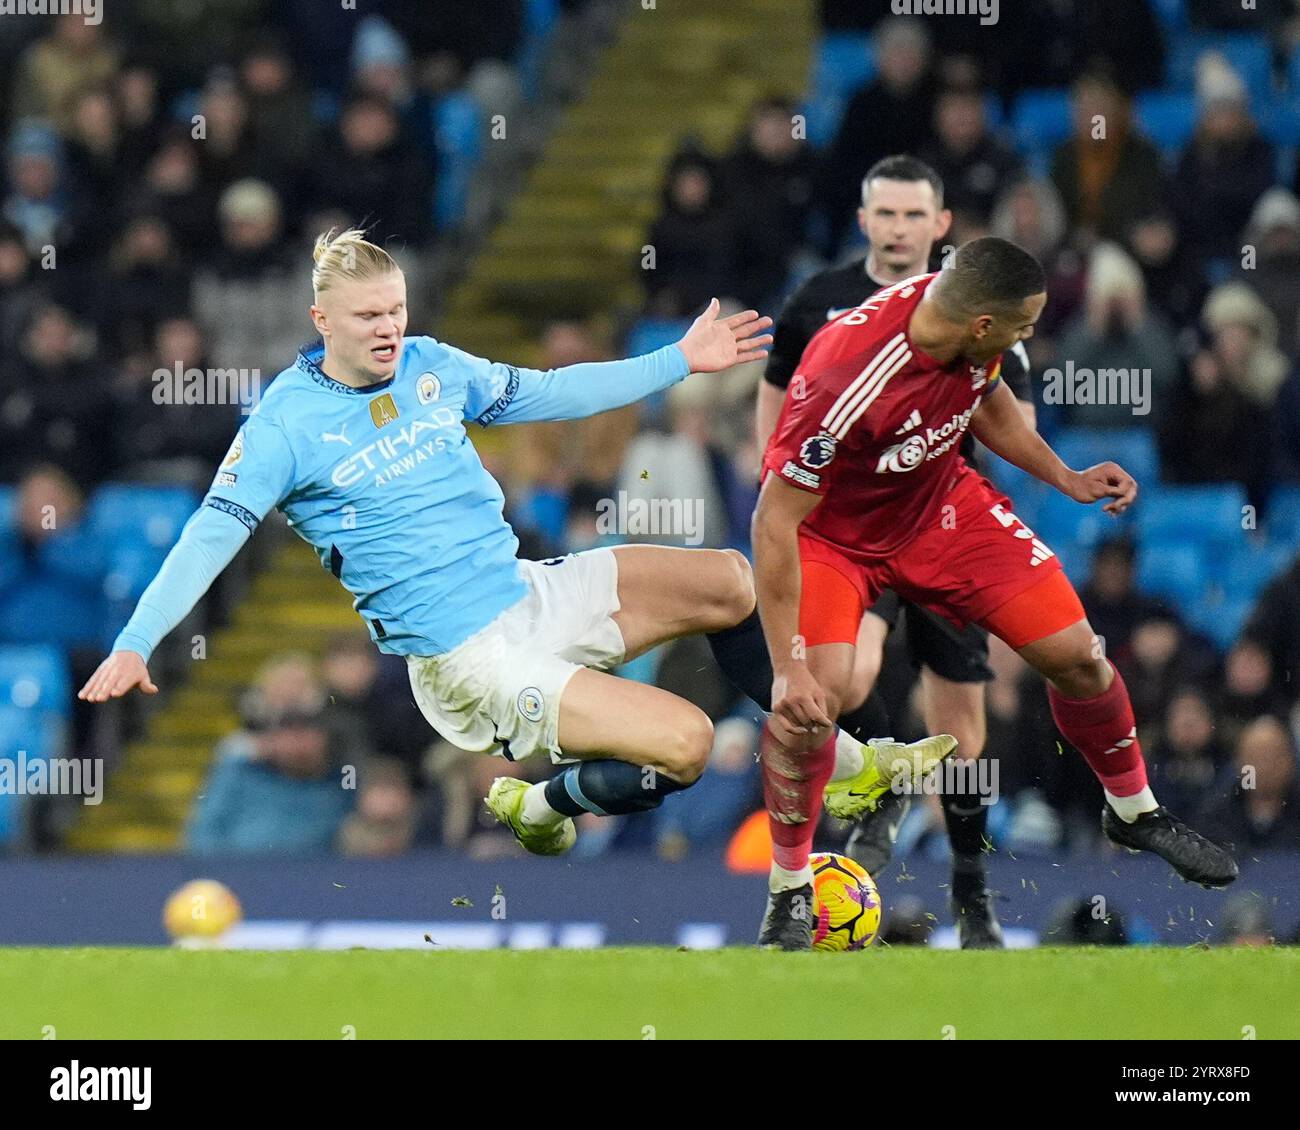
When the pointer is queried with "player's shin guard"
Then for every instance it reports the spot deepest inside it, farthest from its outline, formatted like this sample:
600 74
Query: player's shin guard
1104 730
793 782
608 788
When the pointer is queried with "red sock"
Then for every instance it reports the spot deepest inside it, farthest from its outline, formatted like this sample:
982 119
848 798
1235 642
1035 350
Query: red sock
792 789
1104 731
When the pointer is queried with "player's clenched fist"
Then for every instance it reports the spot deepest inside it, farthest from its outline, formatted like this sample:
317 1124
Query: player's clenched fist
798 703
115 676
1105 480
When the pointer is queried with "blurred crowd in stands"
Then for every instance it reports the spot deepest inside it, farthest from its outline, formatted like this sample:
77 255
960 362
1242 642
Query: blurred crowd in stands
129 243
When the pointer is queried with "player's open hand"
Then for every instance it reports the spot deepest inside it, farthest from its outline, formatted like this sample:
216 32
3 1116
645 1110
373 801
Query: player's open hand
115 676
714 343
1105 480
798 704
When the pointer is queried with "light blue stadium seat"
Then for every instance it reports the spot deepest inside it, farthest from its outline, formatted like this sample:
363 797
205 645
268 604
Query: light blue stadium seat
1076 560
1246 572
649 334
1282 518
1040 119
28 731
34 677
1279 122
1172 14
1211 515
152 516
1134 449
1176 570
1061 521
458 133
1167 117
844 64
1220 621
539 22
1249 54
8 508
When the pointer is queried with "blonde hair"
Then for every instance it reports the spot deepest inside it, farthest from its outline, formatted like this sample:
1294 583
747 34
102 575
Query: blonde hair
347 255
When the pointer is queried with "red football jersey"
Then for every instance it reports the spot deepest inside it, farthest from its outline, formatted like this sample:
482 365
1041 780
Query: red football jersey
874 425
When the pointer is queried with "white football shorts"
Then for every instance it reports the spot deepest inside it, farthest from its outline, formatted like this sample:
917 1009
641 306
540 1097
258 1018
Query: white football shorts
499 691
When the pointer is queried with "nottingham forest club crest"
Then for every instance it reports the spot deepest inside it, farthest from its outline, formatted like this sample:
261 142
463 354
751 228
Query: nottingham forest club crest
817 451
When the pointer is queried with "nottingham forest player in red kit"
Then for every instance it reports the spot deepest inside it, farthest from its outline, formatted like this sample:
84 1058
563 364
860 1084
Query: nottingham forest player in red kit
865 489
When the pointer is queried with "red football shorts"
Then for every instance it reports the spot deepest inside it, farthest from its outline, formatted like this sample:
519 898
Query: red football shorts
976 564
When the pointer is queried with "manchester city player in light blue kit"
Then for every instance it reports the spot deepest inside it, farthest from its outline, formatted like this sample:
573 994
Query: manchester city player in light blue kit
362 443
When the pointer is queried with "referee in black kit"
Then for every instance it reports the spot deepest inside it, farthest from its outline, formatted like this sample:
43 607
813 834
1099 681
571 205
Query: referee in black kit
902 217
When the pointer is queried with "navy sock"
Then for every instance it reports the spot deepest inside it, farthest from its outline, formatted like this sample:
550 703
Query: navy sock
967 821
870 720
741 652
608 788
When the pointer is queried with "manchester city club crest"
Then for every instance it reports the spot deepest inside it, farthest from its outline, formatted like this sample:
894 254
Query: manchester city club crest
817 451
428 388
531 704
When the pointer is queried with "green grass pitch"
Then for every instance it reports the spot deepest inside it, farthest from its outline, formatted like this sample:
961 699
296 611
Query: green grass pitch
650 993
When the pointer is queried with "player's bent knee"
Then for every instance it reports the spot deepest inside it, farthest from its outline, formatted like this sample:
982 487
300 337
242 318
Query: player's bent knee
687 755
1082 675
738 597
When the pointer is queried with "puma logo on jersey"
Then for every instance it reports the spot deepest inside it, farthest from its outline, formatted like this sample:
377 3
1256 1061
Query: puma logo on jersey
338 437
913 421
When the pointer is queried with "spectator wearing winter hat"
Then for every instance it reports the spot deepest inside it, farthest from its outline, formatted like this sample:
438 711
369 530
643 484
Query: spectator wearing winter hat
1118 329
1217 427
1225 169
1273 267
250 296
37 203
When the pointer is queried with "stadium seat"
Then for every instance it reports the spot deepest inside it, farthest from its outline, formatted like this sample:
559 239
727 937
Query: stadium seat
8 509
1248 53
649 334
458 134
153 516
844 64
1293 72
1168 118
1134 449
1219 621
1279 123
1210 515
1176 570
1282 518
1040 119
1251 567
1062 521
34 677
539 22
1172 14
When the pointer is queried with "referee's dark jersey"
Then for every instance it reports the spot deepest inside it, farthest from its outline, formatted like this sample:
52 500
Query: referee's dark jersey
826 296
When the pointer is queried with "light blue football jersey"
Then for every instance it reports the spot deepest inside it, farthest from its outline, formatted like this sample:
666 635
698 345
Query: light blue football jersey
385 484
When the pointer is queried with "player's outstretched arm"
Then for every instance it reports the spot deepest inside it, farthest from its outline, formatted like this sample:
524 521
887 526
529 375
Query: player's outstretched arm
713 343
798 702
505 394
1000 426
210 540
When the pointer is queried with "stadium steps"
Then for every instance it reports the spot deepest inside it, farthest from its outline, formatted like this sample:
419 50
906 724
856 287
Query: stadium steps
294 605
571 239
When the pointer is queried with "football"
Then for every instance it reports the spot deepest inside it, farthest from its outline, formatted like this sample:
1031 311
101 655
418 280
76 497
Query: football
202 908
846 904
